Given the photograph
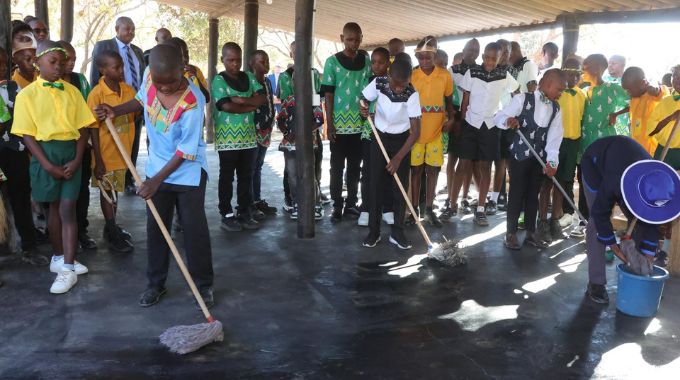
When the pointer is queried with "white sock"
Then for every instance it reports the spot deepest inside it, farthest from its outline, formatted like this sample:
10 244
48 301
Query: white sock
480 208
494 196
57 257
666 245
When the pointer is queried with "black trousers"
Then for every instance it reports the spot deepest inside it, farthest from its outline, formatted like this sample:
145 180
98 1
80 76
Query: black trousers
15 166
190 201
525 183
242 162
318 157
345 148
135 150
383 183
582 203
83 202
387 199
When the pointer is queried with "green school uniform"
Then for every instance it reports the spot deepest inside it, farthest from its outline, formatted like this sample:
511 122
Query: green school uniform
346 78
601 101
234 131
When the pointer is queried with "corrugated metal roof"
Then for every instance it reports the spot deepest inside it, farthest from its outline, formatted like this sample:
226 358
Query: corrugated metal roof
382 20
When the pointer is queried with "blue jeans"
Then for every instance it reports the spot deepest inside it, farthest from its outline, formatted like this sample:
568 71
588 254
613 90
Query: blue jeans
257 171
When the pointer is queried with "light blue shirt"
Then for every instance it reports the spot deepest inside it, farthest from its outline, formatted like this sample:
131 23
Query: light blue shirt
183 137
123 51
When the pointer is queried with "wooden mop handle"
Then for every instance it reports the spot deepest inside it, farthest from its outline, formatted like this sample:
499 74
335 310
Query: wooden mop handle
401 187
664 152
159 221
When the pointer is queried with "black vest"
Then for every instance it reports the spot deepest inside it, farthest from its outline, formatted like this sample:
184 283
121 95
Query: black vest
536 135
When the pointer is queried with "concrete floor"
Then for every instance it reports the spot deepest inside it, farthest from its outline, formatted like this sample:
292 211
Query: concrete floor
329 309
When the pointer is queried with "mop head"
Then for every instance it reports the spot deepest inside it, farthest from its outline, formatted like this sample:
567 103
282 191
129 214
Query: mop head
185 339
637 262
448 253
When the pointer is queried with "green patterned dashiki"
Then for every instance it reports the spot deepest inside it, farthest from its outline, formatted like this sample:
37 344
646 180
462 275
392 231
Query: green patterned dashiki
348 85
286 89
602 101
622 125
4 111
234 131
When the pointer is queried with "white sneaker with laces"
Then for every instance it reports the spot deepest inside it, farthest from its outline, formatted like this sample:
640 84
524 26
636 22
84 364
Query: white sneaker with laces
57 263
363 219
578 231
64 282
566 220
388 217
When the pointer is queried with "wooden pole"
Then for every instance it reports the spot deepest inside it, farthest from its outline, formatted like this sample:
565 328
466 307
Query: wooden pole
67 20
250 20
213 28
41 11
674 250
570 30
6 33
304 147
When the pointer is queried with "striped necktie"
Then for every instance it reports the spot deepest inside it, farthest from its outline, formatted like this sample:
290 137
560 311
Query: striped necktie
133 69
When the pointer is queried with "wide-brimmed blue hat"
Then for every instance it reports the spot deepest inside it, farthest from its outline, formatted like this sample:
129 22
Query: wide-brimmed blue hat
651 190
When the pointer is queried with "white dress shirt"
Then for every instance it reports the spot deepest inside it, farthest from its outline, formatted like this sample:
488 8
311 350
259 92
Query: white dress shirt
122 50
392 112
485 90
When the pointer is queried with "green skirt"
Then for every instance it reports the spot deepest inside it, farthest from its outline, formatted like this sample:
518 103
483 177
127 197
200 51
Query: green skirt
44 187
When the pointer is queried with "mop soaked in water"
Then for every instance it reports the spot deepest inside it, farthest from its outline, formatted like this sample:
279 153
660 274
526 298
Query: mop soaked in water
637 262
449 253
186 339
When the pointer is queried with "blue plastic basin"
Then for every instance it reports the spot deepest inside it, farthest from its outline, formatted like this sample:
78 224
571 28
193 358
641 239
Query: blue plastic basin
639 296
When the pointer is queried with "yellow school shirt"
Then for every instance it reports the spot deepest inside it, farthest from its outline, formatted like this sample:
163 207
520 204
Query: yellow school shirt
666 106
21 81
432 89
48 113
640 110
125 124
572 103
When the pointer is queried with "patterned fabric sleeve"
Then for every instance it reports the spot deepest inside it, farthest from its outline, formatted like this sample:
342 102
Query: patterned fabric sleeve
328 81
4 111
285 87
85 88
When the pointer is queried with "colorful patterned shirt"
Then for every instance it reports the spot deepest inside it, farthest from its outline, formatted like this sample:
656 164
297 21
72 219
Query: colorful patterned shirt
8 92
285 120
432 89
345 78
234 131
601 101
264 116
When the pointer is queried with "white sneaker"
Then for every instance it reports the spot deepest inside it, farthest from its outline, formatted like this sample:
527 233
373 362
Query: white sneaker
64 282
58 262
566 220
388 217
578 232
363 219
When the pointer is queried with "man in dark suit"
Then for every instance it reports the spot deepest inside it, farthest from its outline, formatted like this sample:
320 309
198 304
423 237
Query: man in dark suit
162 35
133 62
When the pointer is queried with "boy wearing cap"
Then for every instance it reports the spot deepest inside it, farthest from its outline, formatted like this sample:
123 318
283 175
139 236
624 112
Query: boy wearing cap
618 170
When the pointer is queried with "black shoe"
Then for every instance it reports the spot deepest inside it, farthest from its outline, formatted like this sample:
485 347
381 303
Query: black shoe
480 219
126 235
661 259
287 205
511 242
229 223
556 232
502 203
371 241
447 214
151 296
207 295
336 215
400 241
324 199
410 220
247 222
598 294
351 212
263 206
257 214
543 231
465 207
119 244
432 218
490 208
130 190
536 241
86 242
34 259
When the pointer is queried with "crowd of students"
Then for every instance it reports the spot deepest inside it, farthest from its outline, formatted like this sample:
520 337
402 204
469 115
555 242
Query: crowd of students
56 144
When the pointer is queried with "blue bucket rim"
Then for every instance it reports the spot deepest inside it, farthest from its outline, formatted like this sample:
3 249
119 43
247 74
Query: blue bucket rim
621 269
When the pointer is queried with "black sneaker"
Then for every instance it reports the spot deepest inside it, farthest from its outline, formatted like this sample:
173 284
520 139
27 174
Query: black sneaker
480 219
288 205
207 295
294 213
124 232
33 258
465 207
543 231
318 213
151 296
449 212
119 244
502 203
324 199
556 232
263 206
411 218
511 242
598 294
371 241
536 241
490 208
86 242
336 215
400 241
257 214
432 218
352 212
247 222
229 223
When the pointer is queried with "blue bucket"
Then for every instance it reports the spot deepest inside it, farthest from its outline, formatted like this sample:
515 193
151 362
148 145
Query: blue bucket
639 296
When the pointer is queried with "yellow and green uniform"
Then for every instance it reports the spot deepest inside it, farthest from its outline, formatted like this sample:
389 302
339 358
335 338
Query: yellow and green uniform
640 110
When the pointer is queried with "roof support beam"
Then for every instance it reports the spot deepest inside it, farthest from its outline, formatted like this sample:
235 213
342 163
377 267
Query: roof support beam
304 147
41 11
213 30
67 20
250 21
570 31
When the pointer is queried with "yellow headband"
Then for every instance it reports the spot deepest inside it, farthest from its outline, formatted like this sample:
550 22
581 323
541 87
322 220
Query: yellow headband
426 48
51 50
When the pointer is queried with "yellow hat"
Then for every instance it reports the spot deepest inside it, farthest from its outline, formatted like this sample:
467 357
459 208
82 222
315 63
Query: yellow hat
19 46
